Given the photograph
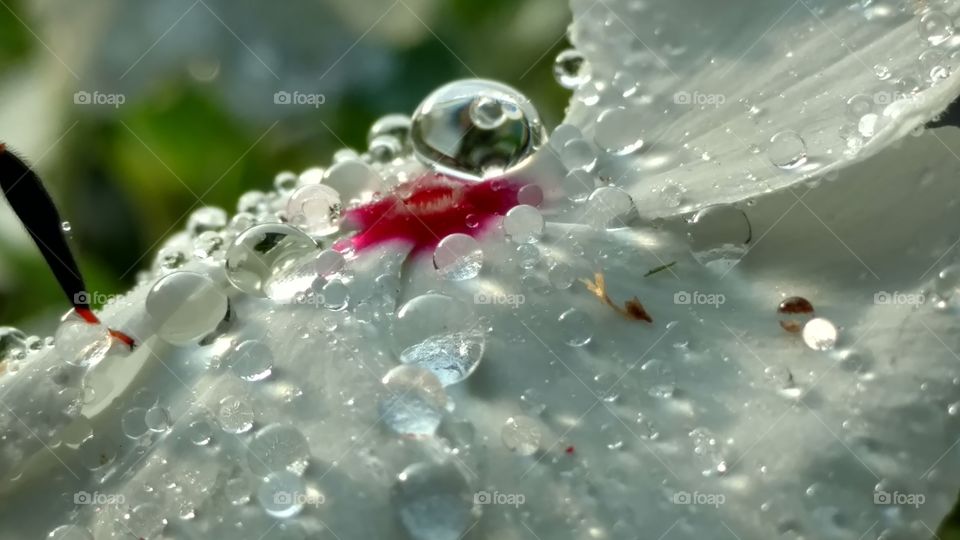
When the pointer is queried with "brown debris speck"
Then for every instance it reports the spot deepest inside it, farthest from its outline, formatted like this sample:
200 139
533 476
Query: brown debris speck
632 309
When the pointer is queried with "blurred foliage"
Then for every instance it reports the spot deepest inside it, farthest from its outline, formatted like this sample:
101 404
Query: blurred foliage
15 39
127 179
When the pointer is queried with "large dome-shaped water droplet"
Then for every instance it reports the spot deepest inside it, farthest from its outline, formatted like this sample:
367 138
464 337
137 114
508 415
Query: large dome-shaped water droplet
434 501
261 256
185 306
476 128
440 334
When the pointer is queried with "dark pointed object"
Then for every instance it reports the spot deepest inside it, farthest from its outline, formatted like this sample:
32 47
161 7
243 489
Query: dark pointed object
33 205
949 117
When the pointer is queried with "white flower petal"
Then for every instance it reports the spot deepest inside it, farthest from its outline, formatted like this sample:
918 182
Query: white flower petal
717 80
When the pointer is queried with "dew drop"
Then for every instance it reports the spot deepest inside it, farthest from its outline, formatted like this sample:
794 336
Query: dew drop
415 401
794 313
282 494
475 128
276 448
577 327
315 208
335 294
561 275
787 150
260 257
718 225
935 27
393 125
440 334
578 184
185 306
458 257
237 490
353 180
200 432
611 208
157 419
70 532
523 224
578 154
433 501
207 218
521 435
133 423
252 360
570 69
235 415
81 343
820 334
617 130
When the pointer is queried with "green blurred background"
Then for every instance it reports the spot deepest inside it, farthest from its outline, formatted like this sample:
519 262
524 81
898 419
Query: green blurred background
199 125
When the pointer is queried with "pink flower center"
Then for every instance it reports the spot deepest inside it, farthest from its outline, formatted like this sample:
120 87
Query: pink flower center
423 212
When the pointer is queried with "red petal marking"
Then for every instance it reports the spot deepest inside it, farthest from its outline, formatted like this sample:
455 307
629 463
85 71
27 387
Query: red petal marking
432 207
91 318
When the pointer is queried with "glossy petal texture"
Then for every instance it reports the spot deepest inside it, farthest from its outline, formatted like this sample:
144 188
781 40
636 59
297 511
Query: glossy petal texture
710 83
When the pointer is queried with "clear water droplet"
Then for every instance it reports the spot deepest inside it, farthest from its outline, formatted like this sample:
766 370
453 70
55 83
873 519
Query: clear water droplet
936 27
523 224
260 257
440 334
200 432
353 180
207 218
393 125
434 501
282 494
576 327
237 490
315 208
157 419
611 208
252 360
235 415
718 225
133 422
787 150
578 184
185 306
561 275
276 448
474 128
521 434
414 401
458 257
578 154
80 343
618 130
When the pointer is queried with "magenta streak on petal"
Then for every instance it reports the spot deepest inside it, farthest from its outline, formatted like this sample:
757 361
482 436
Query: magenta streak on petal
423 212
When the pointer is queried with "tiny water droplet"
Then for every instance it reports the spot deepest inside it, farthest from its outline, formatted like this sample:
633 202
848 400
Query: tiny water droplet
787 150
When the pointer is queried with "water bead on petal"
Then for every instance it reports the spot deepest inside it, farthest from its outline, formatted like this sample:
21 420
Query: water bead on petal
474 128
